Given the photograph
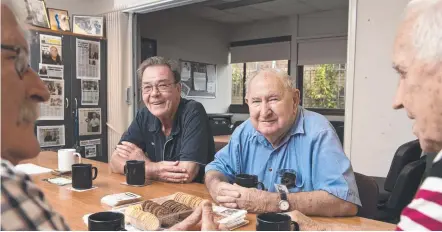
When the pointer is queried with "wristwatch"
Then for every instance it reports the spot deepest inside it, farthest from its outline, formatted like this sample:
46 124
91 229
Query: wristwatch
283 204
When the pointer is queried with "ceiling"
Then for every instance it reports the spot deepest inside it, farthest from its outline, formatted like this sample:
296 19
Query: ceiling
242 11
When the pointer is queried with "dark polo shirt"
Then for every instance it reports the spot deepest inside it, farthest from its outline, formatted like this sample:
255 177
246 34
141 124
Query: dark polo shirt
189 140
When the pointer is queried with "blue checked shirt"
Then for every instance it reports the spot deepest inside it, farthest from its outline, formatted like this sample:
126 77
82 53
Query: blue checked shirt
24 207
311 150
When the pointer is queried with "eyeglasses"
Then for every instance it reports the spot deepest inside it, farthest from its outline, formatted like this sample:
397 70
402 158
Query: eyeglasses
162 87
21 59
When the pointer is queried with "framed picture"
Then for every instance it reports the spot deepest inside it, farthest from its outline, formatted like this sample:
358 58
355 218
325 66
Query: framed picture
37 14
59 19
88 25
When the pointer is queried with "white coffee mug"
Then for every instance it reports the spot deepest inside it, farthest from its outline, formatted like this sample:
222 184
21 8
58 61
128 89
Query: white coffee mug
66 159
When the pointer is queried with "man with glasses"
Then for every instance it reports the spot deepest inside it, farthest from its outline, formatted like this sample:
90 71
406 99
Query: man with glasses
172 135
24 206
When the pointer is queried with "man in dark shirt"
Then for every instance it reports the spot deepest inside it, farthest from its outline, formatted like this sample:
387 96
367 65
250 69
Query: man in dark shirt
172 135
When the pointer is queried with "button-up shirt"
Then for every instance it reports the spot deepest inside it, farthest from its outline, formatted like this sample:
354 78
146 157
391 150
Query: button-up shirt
24 207
311 151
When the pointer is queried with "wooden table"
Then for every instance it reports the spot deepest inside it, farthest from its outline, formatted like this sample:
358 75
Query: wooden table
74 205
221 138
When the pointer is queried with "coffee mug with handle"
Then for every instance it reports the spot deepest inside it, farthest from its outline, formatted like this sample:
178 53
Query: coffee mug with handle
66 157
106 221
249 181
275 222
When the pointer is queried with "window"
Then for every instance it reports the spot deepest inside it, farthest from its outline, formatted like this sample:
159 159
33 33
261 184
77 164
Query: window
323 87
239 70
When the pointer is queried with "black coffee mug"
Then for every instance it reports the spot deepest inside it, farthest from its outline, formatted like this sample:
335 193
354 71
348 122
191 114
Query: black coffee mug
82 176
248 181
106 221
275 221
135 172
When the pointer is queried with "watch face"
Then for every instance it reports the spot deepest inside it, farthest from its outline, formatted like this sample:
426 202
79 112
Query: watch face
284 205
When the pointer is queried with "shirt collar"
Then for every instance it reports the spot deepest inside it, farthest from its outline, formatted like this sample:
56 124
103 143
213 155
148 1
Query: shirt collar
155 126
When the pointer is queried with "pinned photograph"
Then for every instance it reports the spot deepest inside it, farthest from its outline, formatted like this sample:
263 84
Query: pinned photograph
59 19
50 49
37 15
88 59
51 71
51 136
89 92
54 108
88 25
90 151
90 121
185 71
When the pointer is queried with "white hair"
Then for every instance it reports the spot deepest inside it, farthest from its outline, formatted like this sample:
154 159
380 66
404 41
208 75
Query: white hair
283 76
18 8
427 29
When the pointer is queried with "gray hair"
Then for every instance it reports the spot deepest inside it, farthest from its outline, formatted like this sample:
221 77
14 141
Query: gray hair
158 60
427 29
282 75
19 9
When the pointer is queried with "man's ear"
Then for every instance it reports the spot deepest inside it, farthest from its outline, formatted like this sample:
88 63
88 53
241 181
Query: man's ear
296 96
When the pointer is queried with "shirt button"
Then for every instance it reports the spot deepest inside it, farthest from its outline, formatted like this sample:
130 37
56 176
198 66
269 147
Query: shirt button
270 169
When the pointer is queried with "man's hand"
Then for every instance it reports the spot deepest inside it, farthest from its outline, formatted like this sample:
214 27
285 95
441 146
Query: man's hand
130 151
169 171
305 223
254 200
224 194
201 219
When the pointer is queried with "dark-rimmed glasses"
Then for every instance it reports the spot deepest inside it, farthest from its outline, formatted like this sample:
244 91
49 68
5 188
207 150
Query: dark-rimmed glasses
21 60
162 87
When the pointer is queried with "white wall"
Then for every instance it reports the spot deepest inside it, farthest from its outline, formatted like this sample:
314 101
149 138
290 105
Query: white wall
195 40
82 7
376 130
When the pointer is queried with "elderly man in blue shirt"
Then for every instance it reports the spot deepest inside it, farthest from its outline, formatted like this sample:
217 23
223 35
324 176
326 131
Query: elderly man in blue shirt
282 138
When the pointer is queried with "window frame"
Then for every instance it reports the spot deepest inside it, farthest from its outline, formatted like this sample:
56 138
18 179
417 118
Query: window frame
300 87
244 109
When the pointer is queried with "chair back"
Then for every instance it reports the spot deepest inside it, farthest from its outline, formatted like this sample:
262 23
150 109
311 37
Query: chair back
368 193
406 186
404 155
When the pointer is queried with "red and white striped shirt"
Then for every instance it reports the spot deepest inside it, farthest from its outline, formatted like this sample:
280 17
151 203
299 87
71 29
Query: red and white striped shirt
425 211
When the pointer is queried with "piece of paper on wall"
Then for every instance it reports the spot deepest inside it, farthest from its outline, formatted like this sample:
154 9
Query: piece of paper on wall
211 73
88 59
51 136
51 71
90 142
90 92
184 90
53 109
51 50
89 121
199 81
90 151
211 87
185 71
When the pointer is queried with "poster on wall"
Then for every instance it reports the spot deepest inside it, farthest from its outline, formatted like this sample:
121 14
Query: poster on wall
89 92
89 121
51 136
184 90
51 71
90 151
50 50
185 71
53 109
88 59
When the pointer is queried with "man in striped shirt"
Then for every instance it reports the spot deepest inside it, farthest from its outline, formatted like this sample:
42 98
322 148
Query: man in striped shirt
418 60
